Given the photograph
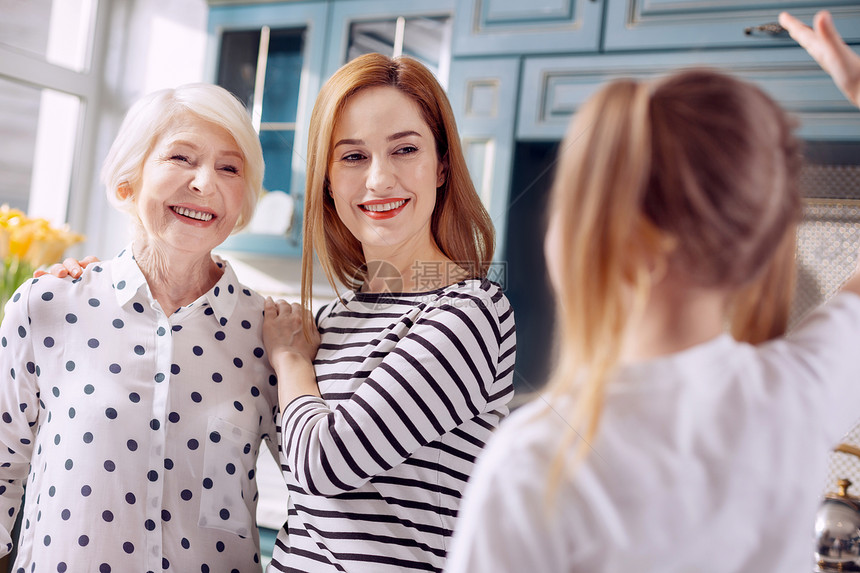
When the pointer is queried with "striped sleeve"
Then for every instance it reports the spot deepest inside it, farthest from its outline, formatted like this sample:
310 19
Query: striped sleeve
440 374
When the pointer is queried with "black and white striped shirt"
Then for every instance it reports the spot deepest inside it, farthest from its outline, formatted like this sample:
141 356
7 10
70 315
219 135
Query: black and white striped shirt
412 387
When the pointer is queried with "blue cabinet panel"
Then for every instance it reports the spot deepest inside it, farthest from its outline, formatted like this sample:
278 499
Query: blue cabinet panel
344 14
537 26
662 24
290 177
483 95
554 87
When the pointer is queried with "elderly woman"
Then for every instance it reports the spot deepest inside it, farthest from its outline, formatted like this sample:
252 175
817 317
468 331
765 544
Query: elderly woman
134 399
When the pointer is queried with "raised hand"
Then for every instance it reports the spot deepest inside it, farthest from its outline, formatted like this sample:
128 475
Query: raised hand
826 46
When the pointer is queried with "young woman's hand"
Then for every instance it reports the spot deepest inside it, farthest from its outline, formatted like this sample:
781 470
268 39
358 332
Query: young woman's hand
68 268
290 351
826 46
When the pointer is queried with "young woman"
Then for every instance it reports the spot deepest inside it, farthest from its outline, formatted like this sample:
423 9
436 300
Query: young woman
667 445
385 409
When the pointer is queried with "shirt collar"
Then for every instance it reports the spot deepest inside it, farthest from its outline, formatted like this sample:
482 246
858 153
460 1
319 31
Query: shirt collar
126 276
128 280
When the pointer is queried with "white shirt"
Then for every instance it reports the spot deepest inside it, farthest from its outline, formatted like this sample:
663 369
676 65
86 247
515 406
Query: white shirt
708 460
137 433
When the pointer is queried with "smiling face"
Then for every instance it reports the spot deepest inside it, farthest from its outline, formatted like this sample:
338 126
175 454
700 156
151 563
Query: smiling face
384 173
191 189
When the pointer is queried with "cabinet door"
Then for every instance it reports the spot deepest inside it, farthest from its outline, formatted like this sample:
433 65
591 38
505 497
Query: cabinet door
278 84
517 27
553 88
647 24
392 27
483 96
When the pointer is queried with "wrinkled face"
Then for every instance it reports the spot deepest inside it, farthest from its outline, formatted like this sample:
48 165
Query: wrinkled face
192 187
384 172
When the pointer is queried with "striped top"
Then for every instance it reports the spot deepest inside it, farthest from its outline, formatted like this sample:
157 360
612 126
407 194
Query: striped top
412 387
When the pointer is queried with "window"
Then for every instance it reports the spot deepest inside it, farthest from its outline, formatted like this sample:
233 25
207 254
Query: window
44 81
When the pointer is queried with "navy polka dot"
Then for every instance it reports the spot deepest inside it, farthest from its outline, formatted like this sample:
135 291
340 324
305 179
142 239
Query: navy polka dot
46 296
117 323
48 342
94 302
93 343
71 318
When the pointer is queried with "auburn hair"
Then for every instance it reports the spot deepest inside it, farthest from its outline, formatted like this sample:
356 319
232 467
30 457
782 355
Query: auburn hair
460 224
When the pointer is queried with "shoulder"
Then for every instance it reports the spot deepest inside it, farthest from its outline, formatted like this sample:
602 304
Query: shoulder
474 297
525 443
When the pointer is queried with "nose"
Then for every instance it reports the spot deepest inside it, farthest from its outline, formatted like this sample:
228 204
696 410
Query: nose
203 180
380 176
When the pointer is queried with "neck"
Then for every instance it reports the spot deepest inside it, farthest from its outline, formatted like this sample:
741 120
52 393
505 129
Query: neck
175 279
676 317
410 270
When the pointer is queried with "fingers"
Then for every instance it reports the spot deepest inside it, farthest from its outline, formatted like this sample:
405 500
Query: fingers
802 34
88 259
73 267
281 307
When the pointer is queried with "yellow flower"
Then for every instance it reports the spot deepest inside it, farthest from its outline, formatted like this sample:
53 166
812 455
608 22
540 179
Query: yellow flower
32 240
26 244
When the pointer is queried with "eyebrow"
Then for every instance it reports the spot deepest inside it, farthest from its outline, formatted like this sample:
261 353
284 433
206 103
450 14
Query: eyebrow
392 137
230 152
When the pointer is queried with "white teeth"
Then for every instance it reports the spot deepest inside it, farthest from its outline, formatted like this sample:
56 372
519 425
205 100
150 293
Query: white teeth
199 215
379 207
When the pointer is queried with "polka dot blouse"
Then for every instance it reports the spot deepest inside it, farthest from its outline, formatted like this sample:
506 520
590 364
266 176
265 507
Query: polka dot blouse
137 433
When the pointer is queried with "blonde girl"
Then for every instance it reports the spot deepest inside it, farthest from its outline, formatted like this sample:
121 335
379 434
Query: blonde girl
666 444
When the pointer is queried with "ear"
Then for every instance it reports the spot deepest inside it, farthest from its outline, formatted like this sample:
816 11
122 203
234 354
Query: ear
124 191
442 171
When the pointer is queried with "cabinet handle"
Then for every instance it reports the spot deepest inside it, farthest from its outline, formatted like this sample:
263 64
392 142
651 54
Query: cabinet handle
772 29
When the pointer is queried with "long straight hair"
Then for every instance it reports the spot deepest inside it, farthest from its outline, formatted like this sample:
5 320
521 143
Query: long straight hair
460 224
697 169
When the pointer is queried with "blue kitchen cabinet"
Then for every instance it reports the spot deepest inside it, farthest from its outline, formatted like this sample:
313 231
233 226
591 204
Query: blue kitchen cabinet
271 56
680 24
515 27
553 88
418 29
483 95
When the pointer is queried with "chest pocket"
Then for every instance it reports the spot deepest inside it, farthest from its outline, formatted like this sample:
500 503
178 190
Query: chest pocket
229 488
